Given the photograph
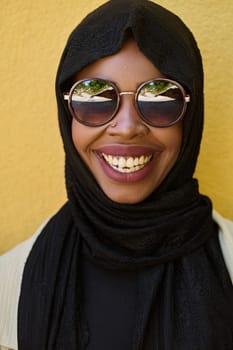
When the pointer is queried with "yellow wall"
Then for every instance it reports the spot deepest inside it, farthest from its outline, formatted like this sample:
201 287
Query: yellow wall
33 34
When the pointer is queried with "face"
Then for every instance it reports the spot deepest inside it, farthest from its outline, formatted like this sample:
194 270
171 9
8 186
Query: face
128 157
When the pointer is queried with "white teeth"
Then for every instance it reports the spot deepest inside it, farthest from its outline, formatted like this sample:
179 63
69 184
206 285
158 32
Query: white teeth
136 161
141 160
130 162
114 161
121 163
127 164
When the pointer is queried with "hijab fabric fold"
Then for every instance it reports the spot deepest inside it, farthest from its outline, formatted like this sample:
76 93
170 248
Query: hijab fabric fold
185 296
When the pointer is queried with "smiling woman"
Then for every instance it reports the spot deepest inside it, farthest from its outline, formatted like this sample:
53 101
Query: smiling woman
135 259
128 156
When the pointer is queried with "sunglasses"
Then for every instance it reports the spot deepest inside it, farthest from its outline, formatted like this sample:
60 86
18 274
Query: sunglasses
159 102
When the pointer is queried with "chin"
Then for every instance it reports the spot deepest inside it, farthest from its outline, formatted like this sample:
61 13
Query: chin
127 198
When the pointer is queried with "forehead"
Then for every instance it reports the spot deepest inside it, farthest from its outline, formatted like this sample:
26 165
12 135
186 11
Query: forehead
127 68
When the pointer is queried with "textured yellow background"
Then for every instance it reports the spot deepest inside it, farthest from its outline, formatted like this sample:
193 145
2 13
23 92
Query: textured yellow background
33 35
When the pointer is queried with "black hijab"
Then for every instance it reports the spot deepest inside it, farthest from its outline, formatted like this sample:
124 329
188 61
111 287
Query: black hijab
185 298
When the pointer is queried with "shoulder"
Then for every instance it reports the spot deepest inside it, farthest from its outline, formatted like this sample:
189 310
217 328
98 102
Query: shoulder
226 240
11 271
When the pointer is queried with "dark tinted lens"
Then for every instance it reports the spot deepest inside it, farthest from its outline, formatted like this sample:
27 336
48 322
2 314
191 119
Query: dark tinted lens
93 101
161 102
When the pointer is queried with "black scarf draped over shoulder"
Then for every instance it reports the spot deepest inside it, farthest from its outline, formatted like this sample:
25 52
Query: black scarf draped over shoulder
185 294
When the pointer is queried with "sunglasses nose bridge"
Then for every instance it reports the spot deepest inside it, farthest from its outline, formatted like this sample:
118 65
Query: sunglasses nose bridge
127 93
131 101
127 105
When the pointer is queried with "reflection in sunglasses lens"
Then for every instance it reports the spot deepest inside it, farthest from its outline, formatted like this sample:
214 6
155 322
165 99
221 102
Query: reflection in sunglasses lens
160 102
94 101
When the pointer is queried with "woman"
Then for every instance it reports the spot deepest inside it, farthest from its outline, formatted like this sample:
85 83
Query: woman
134 259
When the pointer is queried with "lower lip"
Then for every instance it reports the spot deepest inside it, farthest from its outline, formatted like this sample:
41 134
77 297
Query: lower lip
136 176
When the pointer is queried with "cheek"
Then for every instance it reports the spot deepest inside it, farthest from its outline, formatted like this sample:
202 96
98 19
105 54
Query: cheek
176 145
80 136
172 141
172 138
84 138
176 139
75 132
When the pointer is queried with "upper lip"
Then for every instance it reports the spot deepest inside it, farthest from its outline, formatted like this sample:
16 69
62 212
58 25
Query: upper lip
127 150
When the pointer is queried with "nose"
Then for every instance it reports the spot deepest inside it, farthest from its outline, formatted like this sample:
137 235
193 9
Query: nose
127 122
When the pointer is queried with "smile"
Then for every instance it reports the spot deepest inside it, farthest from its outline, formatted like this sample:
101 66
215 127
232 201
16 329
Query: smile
127 164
